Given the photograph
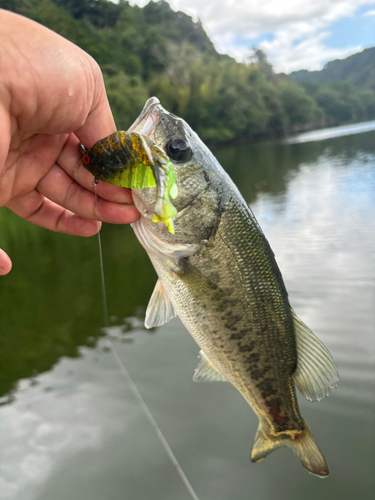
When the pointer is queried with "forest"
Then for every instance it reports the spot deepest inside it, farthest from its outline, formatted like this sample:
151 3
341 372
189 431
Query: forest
357 69
156 51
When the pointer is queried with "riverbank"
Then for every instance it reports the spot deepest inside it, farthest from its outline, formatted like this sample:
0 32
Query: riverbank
283 133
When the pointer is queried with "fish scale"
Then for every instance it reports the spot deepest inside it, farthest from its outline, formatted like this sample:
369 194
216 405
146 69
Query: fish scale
218 273
260 331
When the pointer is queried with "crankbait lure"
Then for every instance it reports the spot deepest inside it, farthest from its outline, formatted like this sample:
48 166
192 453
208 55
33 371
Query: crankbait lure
131 160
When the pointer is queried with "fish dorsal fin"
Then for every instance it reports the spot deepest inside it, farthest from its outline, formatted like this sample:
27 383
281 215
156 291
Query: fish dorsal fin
160 309
316 372
206 371
153 243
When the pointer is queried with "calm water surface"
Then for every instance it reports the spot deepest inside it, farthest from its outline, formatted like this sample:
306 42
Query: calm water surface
70 424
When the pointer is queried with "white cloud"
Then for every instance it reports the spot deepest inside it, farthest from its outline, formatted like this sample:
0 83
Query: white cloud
42 430
297 29
308 52
369 13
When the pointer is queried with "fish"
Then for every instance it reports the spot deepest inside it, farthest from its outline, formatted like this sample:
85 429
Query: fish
218 273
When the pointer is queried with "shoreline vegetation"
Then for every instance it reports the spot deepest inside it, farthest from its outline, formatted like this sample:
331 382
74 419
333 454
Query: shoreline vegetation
280 134
156 51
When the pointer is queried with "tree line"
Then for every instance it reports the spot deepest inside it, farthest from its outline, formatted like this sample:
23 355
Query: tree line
156 51
357 69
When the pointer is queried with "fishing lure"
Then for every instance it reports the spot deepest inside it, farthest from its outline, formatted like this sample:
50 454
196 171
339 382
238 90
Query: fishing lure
131 160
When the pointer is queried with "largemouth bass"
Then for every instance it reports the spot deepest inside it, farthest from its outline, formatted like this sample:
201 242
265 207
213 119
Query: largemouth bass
218 273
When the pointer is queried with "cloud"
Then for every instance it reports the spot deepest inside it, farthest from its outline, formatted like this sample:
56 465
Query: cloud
40 431
309 52
294 34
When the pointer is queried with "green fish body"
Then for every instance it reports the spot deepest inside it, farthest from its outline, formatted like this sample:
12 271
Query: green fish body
218 273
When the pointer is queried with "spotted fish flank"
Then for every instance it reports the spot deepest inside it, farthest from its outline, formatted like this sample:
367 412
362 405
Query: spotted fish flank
218 273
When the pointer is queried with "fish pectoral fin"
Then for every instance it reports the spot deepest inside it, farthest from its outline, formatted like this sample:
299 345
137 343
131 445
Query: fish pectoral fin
160 309
316 372
151 241
206 371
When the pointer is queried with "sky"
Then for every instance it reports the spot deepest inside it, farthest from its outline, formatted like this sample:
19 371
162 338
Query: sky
295 34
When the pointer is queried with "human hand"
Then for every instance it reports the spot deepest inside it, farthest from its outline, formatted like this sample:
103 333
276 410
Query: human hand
52 97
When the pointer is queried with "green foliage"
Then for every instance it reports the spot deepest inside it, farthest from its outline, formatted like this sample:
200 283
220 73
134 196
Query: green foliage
341 102
299 108
100 13
178 26
127 95
357 70
50 304
156 51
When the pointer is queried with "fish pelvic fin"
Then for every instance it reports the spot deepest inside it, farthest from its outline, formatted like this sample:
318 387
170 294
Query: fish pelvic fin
302 443
160 309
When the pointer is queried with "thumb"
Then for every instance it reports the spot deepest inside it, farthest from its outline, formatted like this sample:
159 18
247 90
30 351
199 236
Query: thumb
99 122
5 263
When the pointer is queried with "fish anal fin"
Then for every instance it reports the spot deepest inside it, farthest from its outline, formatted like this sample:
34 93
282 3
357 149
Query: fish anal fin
302 443
316 372
160 309
206 371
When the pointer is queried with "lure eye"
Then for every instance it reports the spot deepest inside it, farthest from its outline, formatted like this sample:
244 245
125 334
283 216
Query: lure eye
86 159
178 149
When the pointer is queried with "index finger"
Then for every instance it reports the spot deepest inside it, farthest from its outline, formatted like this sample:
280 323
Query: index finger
5 263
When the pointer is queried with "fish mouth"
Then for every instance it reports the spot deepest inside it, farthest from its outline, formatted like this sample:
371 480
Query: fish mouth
149 118
157 124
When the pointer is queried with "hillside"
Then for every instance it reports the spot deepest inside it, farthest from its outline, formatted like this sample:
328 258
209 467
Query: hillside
357 69
156 51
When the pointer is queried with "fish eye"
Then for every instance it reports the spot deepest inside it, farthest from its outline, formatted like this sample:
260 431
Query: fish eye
178 149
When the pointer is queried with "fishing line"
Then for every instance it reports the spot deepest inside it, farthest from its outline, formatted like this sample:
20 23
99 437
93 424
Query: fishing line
153 423
104 293
132 385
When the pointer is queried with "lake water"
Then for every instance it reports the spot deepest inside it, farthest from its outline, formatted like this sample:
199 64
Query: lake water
71 424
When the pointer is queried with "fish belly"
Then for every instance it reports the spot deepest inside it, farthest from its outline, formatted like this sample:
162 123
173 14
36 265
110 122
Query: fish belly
208 296
231 297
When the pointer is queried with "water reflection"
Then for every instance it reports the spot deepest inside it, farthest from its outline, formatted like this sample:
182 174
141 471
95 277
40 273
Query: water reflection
50 304
329 133
322 230
83 428
73 428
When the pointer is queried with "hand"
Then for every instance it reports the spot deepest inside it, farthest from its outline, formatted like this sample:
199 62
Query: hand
52 97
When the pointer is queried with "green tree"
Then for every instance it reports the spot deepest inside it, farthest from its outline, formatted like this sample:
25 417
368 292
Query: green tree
126 95
299 108
157 51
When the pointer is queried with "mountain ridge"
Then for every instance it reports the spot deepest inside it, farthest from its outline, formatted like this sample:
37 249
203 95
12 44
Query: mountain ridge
155 50
357 70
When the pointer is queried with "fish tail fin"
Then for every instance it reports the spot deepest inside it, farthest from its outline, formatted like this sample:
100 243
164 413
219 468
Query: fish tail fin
265 444
303 444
